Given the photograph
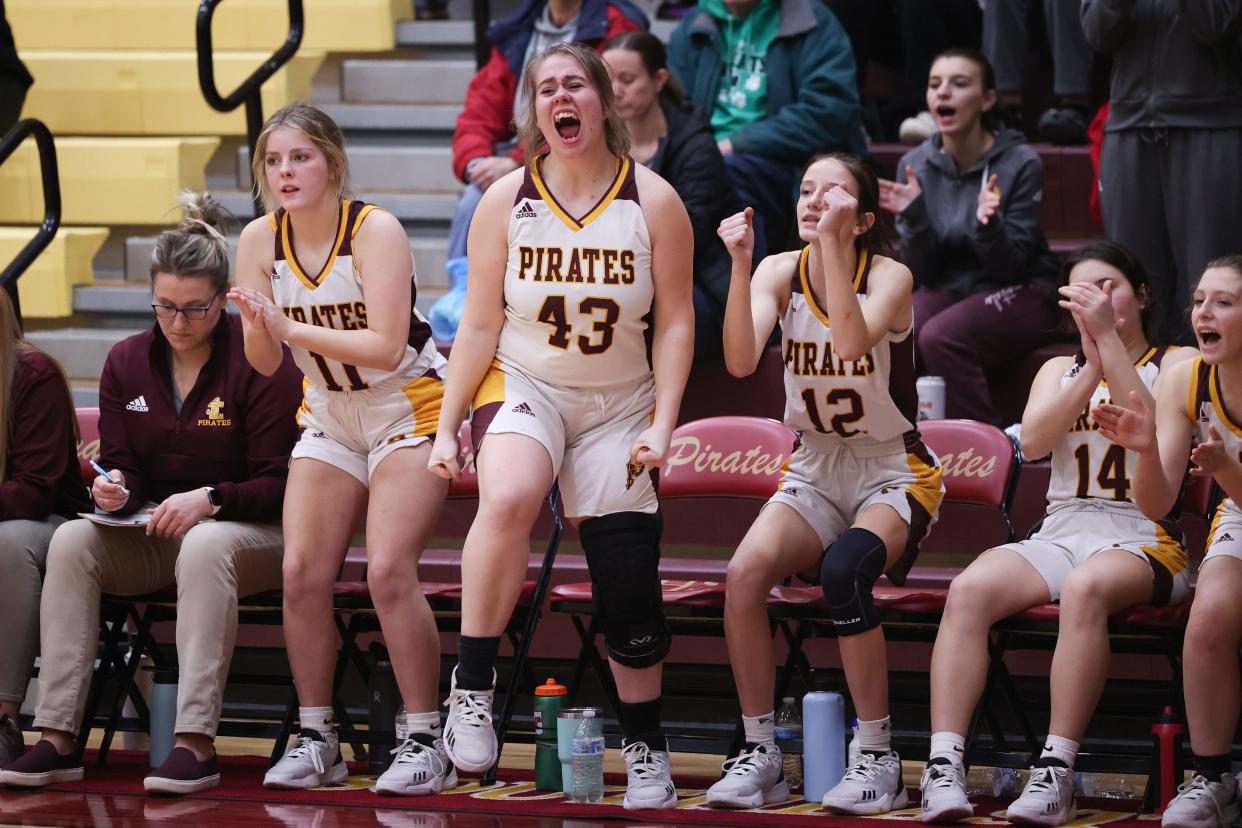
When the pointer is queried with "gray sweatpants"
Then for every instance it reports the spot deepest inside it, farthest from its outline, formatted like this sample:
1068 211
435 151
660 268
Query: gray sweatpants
1174 197
214 563
23 557
1005 42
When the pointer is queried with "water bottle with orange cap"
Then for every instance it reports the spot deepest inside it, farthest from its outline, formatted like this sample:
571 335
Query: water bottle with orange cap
549 699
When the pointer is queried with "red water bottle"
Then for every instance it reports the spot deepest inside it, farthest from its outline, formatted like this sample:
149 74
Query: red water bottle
1167 735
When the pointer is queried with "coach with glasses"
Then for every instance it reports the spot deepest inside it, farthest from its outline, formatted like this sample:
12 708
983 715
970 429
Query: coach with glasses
194 435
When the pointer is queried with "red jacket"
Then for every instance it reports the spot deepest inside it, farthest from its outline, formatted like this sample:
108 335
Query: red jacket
487 118
235 430
41 477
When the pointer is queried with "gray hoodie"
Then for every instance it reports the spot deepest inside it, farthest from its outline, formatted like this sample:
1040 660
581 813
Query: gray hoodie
942 242
1176 63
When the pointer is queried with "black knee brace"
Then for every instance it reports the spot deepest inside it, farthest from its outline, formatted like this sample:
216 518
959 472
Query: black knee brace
623 554
850 568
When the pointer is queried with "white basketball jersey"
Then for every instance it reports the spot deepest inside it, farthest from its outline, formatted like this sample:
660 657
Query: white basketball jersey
1085 464
868 399
334 299
578 291
1205 404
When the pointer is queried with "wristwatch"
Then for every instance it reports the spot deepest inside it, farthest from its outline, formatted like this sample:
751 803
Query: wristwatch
214 498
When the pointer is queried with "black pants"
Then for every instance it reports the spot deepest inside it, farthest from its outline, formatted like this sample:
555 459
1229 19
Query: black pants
1173 196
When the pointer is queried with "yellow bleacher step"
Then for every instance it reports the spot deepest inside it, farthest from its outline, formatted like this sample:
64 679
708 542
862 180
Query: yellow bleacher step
331 25
151 93
46 289
107 180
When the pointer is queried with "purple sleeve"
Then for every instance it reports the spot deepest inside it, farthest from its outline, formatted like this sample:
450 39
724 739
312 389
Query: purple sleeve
39 444
271 430
115 450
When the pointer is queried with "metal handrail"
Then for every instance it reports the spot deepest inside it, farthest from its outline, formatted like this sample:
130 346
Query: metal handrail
482 14
249 91
50 173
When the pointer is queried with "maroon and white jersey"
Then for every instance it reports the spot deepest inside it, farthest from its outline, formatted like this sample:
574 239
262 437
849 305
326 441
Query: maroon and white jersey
868 399
578 291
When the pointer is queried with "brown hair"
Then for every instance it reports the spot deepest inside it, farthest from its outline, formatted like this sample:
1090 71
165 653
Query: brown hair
1122 259
12 346
616 134
198 245
654 57
322 131
1233 263
868 196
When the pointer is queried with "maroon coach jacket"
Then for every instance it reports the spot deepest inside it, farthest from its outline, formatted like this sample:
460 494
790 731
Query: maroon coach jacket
235 430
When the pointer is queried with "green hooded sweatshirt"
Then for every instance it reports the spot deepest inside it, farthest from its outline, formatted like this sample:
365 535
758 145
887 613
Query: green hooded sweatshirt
744 41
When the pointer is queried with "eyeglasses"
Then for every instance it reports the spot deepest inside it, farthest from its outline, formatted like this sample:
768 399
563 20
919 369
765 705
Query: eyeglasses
195 313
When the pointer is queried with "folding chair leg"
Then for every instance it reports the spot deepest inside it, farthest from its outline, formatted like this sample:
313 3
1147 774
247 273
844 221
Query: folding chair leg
286 727
587 637
142 642
112 626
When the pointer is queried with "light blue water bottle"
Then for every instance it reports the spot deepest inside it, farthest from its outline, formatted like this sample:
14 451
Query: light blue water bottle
588 760
823 739
163 709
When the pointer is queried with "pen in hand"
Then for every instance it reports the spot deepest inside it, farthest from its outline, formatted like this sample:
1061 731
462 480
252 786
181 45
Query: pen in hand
108 477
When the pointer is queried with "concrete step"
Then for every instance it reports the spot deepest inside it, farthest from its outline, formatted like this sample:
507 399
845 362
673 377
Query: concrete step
113 298
430 253
436 34
402 119
406 81
386 167
85 394
81 351
417 208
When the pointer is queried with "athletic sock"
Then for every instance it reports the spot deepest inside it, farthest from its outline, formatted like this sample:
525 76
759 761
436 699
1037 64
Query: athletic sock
424 723
319 719
476 662
876 737
1058 751
760 730
1213 767
950 747
640 722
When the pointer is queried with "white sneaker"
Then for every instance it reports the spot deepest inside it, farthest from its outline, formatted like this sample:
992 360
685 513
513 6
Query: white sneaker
417 770
1202 803
469 739
648 780
310 763
917 129
1047 799
752 778
870 786
944 793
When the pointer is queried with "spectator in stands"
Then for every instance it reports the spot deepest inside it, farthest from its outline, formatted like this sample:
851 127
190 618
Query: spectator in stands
186 423
967 203
485 145
1095 551
861 489
371 397
1005 39
40 488
1195 417
574 362
14 78
1173 137
777 80
673 138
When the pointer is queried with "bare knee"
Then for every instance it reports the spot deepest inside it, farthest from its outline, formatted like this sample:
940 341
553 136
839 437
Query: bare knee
304 578
510 510
748 579
392 577
1205 633
970 601
1084 594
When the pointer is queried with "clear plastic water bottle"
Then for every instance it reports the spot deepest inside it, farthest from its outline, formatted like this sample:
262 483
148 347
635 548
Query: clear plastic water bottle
401 726
855 748
588 760
789 740
999 783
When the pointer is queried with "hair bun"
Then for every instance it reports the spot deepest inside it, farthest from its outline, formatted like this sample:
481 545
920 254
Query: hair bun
204 215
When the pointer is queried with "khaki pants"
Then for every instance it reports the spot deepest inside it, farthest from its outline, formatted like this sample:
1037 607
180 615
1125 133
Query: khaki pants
212 565
23 555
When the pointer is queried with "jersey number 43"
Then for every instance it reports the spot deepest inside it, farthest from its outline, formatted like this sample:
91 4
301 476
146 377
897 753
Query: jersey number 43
602 312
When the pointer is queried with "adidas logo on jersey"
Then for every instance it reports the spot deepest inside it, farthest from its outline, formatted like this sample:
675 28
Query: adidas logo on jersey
526 211
523 408
1225 538
138 403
